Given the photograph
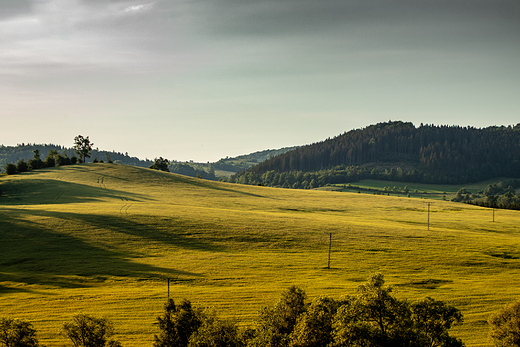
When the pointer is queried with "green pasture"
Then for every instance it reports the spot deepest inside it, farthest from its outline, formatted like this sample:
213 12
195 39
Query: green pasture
416 190
103 239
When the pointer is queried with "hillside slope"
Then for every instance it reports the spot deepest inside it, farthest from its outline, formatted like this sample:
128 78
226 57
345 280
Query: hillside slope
103 239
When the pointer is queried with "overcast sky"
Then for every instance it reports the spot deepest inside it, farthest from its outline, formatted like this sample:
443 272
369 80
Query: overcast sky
205 79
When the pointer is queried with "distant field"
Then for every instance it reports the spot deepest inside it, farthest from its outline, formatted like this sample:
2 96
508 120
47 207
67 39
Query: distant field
222 173
417 190
103 239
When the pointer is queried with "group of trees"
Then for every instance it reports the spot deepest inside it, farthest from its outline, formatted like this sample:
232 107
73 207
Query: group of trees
399 151
373 318
496 195
83 331
82 146
183 169
25 152
314 179
53 159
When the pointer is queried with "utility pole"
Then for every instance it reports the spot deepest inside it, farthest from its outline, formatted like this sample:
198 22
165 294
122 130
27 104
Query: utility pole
330 247
429 203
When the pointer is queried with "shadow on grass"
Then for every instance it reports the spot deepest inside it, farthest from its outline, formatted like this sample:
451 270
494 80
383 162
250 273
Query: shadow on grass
426 283
46 191
36 254
8 290
210 185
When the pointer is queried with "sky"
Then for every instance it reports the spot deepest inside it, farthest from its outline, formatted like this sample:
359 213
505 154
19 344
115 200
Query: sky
205 79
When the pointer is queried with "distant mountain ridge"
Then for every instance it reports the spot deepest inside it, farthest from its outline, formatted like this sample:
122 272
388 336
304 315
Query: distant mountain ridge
395 151
13 154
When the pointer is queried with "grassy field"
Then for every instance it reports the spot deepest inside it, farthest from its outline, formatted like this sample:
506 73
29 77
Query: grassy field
102 239
416 190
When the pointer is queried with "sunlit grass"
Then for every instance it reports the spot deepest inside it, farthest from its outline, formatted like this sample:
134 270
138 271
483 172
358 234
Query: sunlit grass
103 239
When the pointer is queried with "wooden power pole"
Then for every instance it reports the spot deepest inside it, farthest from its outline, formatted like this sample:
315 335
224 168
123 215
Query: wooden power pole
330 248
429 203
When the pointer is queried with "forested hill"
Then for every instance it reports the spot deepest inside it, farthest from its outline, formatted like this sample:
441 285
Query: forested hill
396 151
245 161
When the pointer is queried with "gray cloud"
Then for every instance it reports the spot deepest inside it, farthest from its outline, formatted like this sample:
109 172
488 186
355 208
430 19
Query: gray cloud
223 61
13 8
77 31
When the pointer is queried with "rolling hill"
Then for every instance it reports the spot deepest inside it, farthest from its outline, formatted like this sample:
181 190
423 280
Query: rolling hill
223 167
103 239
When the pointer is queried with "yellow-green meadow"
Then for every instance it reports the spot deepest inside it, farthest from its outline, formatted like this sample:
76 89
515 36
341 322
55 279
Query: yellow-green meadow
103 239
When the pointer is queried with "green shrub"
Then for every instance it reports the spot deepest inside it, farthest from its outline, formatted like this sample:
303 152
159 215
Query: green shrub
505 325
89 331
17 333
11 169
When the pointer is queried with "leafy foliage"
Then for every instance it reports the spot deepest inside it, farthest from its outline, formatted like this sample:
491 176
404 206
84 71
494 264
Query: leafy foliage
215 332
497 195
374 318
505 326
17 333
53 159
89 331
278 322
83 147
432 319
160 164
10 169
177 324
314 326
12 154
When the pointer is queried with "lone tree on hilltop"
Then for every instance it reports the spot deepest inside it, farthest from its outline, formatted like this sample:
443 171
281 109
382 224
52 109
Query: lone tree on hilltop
83 147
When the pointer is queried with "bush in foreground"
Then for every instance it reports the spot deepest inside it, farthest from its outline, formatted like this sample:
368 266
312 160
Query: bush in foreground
374 318
505 325
89 331
17 333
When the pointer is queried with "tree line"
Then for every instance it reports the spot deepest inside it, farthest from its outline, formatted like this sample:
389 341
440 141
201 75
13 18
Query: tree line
185 169
25 152
82 147
496 195
373 318
397 151
27 157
